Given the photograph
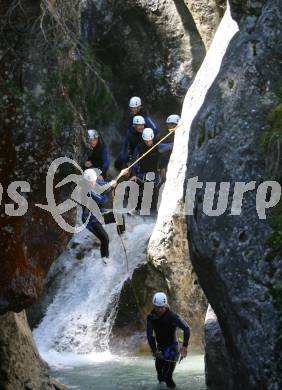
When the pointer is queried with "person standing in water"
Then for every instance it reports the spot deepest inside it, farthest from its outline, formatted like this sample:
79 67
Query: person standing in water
161 334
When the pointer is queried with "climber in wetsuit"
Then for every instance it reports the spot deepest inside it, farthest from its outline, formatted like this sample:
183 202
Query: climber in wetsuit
161 334
135 109
134 138
147 168
97 155
100 196
171 122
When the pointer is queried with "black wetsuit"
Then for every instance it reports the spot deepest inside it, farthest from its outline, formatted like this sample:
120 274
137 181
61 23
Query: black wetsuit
134 140
164 159
98 156
164 327
93 225
149 163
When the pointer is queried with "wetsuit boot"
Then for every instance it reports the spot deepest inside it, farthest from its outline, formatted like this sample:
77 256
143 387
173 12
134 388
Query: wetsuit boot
159 363
170 383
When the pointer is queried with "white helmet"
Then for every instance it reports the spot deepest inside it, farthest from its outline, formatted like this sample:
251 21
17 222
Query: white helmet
160 299
148 134
138 120
90 174
174 118
135 101
92 133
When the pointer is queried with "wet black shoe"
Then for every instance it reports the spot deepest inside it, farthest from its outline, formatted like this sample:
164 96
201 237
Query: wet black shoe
120 229
170 383
105 260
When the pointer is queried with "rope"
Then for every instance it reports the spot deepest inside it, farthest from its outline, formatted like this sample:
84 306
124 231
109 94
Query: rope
141 312
122 242
151 149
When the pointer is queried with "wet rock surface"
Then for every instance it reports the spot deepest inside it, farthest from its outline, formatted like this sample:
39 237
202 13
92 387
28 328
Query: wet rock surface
31 241
158 46
21 366
218 370
168 269
230 254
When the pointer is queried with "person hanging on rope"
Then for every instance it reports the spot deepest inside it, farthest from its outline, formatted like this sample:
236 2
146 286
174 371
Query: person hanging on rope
147 168
97 155
171 122
100 196
135 109
161 334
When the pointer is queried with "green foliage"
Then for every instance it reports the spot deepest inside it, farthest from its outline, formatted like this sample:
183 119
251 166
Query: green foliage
272 142
274 130
69 93
275 239
275 243
277 296
61 84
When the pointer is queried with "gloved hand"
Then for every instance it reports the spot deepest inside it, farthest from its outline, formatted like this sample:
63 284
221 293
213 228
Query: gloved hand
183 352
158 354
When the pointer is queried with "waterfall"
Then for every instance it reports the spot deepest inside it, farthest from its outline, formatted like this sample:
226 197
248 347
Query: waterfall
81 316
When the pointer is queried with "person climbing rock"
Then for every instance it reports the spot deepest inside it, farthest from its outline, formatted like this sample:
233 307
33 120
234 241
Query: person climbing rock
135 109
100 196
147 168
161 334
171 122
97 153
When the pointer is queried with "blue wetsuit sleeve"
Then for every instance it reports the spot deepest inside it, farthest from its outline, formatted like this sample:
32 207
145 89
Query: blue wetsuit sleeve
106 161
100 199
124 147
150 336
103 188
150 123
186 330
165 147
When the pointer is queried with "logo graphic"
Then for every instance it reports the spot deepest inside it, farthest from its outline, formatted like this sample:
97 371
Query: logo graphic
78 196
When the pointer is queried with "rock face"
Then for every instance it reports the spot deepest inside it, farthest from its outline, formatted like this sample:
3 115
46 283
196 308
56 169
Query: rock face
165 33
238 258
207 15
171 272
164 41
168 269
174 36
168 245
21 366
48 97
217 362
32 136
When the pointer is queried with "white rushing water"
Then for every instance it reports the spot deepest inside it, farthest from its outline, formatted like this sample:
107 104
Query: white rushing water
78 323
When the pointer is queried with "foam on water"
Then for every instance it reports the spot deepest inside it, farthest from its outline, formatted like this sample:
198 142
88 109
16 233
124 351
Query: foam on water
77 325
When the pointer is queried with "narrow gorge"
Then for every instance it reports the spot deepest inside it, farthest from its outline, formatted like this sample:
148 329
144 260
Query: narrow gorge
214 246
